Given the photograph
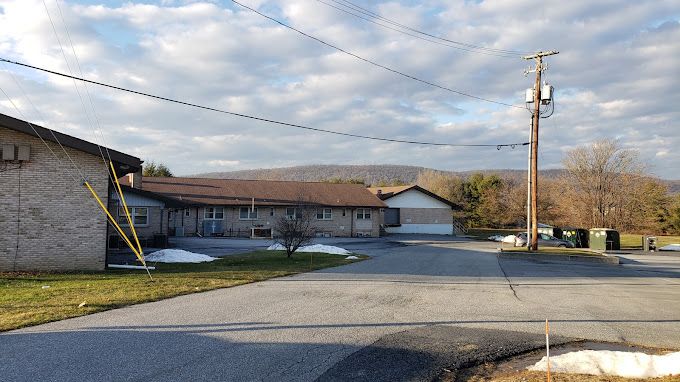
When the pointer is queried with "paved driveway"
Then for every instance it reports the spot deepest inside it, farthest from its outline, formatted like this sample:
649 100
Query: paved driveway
296 328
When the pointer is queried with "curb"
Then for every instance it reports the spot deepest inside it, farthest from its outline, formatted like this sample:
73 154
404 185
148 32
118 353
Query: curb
559 258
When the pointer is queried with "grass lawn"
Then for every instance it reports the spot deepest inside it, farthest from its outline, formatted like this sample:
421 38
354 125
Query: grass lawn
34 298
555 251
632 241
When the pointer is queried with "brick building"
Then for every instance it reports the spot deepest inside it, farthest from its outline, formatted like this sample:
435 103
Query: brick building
246 208
48 219
413 209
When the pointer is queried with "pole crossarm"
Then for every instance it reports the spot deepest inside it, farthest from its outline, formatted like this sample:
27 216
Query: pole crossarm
540 54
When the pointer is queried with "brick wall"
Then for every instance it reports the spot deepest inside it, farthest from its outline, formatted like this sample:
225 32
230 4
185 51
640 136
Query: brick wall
48 221
425 216
338 226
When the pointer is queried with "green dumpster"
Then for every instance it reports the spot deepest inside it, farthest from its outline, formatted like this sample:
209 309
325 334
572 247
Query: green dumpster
604 239
552 231
578 236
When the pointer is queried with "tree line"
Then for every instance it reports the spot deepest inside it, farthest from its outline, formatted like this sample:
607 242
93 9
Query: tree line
603 185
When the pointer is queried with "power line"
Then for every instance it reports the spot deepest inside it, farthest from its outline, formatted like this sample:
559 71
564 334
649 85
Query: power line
511 145
403 28
495 54
373 62
378 16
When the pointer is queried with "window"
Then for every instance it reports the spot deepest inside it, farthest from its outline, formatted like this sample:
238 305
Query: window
216 213
139 215
271 211
292 213
187 212
344 212
324 214
246 213
363 213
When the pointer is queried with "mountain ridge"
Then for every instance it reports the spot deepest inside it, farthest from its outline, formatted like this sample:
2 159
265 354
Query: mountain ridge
376 173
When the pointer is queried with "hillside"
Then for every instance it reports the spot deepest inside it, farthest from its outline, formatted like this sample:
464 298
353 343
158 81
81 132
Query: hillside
374 174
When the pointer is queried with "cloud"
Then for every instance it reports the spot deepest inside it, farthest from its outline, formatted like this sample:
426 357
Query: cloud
615 76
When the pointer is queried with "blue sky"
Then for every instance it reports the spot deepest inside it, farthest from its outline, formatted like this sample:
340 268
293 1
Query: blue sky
615 77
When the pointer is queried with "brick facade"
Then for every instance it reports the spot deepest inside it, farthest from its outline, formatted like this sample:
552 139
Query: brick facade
426 216
343 222
48 220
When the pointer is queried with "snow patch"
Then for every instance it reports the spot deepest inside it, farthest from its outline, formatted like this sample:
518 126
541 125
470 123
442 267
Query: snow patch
670 247
619 363
351 258
177 256
504 239
313 248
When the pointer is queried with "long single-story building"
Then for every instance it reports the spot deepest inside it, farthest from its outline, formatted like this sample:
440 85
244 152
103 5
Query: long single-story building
48 219
413 209
250 208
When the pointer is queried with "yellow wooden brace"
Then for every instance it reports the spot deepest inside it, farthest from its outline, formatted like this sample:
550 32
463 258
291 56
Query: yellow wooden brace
127 211
115 224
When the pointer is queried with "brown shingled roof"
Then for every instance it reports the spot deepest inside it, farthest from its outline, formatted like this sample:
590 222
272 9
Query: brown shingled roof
236 192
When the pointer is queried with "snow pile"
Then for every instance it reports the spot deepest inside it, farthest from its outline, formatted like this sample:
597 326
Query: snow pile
504 239
177 256
351 258
313 248
606 362
670 247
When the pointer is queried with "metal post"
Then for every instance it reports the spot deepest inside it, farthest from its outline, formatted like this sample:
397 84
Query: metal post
531 132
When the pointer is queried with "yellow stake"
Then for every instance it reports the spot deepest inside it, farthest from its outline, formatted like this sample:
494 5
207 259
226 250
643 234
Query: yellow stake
120 230
547 346
127 211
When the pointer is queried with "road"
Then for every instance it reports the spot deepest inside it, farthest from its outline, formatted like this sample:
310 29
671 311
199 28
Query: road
297 328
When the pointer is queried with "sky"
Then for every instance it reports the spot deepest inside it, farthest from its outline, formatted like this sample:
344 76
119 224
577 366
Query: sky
617 76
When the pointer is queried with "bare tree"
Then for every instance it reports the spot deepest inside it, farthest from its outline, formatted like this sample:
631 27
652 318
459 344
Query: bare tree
295 228
603 176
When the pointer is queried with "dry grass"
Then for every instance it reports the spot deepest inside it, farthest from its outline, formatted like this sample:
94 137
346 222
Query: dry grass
535 376
554 251
632 241
34 298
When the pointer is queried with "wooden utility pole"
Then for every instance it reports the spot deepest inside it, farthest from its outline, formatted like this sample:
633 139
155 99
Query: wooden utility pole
536 116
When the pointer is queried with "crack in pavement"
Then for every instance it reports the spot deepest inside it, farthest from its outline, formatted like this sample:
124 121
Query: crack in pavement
514 292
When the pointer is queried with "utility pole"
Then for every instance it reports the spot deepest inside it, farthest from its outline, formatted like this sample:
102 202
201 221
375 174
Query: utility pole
536 116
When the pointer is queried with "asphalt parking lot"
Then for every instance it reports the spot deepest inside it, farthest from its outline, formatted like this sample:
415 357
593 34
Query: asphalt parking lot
303 327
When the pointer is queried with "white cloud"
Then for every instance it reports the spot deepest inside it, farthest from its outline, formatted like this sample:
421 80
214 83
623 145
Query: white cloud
615 77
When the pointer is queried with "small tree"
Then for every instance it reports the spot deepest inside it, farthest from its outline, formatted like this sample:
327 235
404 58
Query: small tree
153 169
295 229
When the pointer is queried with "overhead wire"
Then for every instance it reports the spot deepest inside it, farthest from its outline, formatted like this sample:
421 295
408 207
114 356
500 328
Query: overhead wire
370 13
503 55
111 174
403 74
87 91
30 102
255 117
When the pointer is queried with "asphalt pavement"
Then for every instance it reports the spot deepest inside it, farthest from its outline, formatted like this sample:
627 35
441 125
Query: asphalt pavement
302 327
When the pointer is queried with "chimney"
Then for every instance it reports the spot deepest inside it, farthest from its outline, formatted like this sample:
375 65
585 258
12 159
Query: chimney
135 179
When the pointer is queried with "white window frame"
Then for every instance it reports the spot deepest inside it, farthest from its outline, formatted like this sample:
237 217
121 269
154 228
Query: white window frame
363 213
251 215
210 213
296 213
122 218
325 213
